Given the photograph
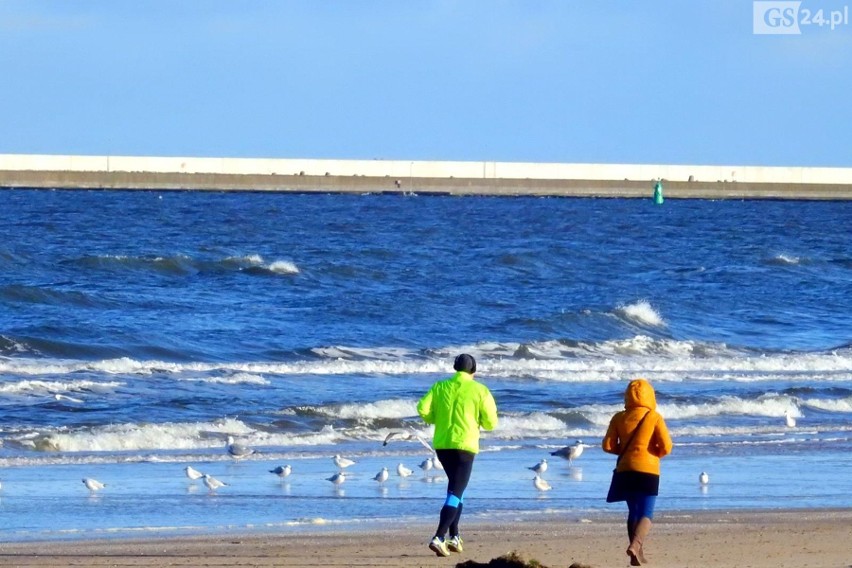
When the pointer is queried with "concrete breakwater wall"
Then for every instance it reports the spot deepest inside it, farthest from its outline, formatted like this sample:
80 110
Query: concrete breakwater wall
493 178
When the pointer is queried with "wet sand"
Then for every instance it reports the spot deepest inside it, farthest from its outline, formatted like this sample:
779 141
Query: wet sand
719 539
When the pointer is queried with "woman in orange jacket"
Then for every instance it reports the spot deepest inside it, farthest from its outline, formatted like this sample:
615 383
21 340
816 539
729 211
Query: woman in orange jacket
639 436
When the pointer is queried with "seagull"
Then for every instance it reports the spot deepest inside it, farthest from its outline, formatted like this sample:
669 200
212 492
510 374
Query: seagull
403 471
570 453
703 479
337 478
436 463
236 450
407 436
426 465
791 422
541 484
382 476
212 483
282 471
93 484
342 462
540 467
192 473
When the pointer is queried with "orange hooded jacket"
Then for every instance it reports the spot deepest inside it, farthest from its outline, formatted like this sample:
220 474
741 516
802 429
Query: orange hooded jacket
651 442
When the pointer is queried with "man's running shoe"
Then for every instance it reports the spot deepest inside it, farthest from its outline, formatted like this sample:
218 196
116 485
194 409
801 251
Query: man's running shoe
439 547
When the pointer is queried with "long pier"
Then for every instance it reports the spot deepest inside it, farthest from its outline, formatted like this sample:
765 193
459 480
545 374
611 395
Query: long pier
423 177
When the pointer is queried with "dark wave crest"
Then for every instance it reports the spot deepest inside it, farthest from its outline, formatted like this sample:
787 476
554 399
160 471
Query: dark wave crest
177 264
11 346
183 265
19 293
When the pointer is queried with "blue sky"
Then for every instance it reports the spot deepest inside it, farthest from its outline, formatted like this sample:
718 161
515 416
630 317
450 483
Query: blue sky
681 82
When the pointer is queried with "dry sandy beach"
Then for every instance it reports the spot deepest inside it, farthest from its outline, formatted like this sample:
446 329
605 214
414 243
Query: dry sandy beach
737 539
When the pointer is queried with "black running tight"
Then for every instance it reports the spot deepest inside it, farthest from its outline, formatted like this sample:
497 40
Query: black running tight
458 466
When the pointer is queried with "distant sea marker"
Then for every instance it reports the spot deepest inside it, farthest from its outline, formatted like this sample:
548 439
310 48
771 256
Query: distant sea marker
658 193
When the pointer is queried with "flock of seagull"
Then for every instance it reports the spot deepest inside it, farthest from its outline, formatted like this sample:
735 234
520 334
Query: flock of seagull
342 463
240 451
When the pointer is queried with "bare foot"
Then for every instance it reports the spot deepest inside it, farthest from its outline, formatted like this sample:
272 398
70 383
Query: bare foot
641 555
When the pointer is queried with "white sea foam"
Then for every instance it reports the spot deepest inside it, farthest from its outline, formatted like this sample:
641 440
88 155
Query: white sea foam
127 437
769 406
382 353
172 436
614 360
166 259
257 261
396 408
644 345
283 267
533 425
639 345
787 259
641 312
132 440
40 388
250 259
841 405
236 379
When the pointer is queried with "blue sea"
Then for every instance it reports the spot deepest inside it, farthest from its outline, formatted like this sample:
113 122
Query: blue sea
140 329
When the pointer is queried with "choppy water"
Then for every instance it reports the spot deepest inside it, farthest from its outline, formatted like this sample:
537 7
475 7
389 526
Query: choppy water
139 329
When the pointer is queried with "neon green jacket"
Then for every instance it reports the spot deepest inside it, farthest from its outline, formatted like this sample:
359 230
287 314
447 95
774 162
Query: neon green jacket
458 407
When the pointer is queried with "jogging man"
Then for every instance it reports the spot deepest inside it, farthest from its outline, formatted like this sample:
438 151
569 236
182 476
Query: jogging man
458 407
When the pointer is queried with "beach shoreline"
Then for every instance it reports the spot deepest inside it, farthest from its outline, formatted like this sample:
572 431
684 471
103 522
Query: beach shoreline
808 537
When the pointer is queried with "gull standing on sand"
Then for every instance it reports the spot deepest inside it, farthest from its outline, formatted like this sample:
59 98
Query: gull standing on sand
540 467
192 473
338 478
342 462
436 463
703 478
212 483
93 484
237 450
382 476
541 484
426 465
403 471
570 453
282 471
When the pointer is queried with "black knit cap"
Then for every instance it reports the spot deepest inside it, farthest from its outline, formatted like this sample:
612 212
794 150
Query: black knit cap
466 363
